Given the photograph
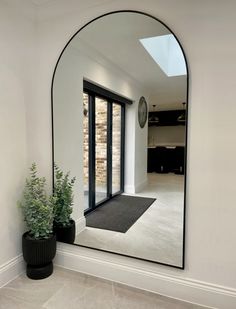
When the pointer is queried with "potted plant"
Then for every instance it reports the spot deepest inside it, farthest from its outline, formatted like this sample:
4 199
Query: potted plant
64 225
39 242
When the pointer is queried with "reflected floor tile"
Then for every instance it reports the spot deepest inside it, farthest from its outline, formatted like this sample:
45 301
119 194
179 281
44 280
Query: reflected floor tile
158 234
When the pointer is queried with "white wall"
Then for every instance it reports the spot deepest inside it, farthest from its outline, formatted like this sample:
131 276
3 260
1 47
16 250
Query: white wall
166 135
68 114
141 143
16 75
206 31
210 232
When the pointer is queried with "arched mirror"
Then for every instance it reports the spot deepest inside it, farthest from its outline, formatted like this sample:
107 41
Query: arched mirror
119 102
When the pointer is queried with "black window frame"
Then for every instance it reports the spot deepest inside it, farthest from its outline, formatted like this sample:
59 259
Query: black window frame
93 91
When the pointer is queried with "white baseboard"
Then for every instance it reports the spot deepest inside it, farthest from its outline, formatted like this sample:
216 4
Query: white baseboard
129 189
135 189
80 225
139 187
197 292
11 270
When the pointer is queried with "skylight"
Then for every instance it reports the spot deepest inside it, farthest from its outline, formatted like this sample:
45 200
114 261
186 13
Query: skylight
166 52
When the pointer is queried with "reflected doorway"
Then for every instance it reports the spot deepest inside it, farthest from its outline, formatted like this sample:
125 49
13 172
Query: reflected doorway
104 132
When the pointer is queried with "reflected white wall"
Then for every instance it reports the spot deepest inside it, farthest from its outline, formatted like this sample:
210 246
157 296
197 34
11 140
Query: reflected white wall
73 67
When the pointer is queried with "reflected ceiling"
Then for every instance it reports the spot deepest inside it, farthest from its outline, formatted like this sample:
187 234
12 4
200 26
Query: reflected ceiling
141 68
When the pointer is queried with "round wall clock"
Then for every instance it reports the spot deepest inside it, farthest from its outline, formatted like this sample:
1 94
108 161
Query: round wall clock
142 112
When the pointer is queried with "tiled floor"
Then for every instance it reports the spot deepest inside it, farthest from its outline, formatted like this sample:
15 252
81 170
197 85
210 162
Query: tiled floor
67 289
158 234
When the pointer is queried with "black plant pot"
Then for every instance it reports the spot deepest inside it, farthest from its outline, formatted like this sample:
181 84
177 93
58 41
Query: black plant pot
38 255
65 234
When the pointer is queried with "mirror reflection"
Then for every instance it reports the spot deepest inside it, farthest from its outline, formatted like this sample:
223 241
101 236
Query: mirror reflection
119 116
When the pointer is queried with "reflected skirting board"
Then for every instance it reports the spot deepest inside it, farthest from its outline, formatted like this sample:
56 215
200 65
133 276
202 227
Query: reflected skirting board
132 273
80 225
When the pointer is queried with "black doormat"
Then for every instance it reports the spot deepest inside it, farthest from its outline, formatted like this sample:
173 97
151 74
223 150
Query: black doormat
118 214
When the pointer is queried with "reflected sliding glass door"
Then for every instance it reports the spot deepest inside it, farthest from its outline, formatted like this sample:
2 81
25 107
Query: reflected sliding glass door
101 153
104 133
116 149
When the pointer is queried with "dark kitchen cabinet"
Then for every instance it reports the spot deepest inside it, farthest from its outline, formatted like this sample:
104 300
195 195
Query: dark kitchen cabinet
167 118
166 160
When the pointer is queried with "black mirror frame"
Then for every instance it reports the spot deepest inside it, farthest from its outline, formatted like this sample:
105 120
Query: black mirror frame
186 133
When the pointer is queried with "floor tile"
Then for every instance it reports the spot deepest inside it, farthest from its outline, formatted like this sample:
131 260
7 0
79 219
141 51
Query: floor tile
73 290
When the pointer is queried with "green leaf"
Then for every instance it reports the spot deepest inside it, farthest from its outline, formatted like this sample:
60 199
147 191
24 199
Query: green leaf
63 196
36 206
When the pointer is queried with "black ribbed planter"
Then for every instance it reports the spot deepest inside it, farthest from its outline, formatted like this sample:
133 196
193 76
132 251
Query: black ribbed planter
65 234
38 255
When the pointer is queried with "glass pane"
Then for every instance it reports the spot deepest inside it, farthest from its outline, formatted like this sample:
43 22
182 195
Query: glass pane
86 149
101 149
116 147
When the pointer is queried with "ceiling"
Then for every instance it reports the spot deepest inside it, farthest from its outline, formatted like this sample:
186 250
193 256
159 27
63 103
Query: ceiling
116 38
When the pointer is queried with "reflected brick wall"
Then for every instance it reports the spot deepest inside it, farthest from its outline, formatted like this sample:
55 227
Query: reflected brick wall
101 143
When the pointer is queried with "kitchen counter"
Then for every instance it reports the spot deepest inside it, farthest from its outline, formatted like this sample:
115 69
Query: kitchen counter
167 145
